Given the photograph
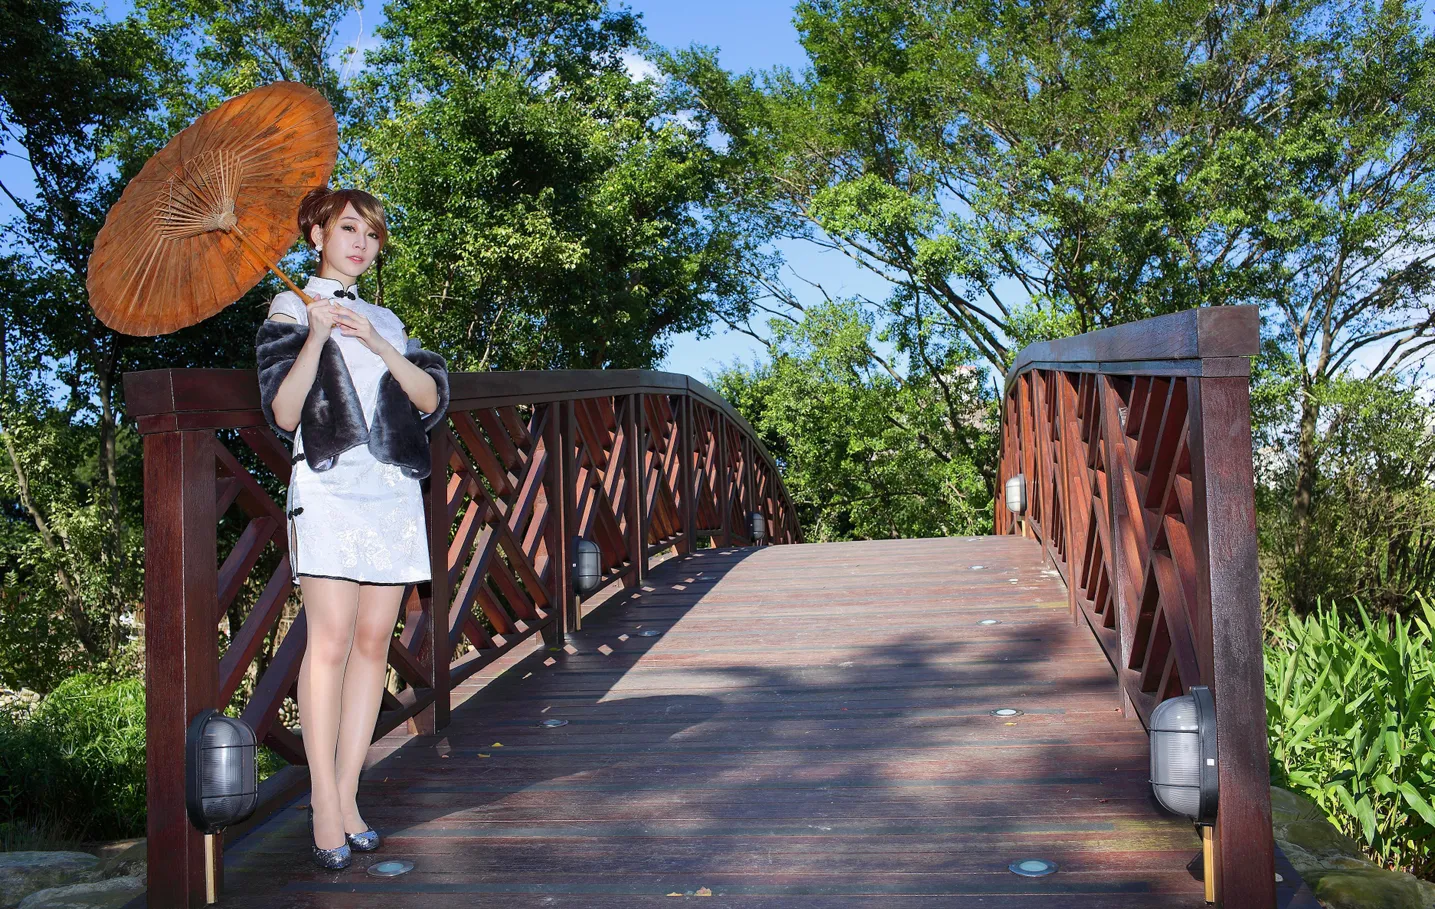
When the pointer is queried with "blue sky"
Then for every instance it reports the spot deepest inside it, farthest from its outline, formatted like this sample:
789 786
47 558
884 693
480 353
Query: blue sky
749 34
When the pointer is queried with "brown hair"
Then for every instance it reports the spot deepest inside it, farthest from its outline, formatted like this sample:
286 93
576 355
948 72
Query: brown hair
324 206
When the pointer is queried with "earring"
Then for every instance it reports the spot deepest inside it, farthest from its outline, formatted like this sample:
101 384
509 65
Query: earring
319 247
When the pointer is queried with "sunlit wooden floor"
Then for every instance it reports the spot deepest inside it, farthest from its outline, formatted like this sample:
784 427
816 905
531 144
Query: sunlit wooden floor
812 726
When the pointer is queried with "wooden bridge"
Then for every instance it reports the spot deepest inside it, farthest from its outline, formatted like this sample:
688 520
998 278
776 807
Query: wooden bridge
754 725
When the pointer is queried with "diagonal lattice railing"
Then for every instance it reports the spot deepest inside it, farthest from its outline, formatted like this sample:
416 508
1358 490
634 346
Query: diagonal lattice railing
1136 445
525 464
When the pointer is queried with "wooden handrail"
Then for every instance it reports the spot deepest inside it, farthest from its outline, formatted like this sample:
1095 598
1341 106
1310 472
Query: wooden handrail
1176 344
525 464
1135 443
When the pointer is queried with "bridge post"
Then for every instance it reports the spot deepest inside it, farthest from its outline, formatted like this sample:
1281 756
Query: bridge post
1229 635
181 652
633 428
441 592
687 480
724 490
555 538
749 495
572 615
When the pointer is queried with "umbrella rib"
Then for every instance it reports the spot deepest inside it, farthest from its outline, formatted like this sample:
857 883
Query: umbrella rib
174 292
132 253
207 276
224 260
130 290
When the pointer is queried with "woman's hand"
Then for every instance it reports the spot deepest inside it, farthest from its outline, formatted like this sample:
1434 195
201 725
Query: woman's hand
322 318
356 325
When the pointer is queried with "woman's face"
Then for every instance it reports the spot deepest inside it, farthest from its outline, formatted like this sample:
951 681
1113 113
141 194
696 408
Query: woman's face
351 246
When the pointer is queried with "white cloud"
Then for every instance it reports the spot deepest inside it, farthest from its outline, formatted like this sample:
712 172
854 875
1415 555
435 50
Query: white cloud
639 68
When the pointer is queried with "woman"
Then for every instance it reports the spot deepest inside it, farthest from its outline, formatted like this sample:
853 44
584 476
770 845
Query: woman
340 379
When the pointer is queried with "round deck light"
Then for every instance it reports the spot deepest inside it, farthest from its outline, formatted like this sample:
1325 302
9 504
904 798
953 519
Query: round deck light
649 633
990 622
1016 494
1006 711
587 566
221 771
391 868
1183 755
1033 867
553 723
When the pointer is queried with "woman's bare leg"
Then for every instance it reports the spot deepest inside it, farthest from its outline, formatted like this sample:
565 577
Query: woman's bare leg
364 690
330 608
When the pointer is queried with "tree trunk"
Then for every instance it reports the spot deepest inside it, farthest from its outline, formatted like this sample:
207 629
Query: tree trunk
115 557
1306 468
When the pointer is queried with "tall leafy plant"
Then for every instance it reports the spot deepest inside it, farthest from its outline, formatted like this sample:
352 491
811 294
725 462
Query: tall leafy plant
1352 726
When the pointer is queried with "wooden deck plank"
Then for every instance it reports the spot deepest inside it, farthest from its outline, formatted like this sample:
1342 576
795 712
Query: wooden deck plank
811 727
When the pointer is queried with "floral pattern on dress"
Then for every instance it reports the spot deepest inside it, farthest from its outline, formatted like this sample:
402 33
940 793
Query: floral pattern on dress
361 519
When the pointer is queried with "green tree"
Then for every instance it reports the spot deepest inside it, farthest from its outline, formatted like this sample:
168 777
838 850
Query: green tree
86 101
1024 171
71 88
548 209
1374 494
227 47
865 451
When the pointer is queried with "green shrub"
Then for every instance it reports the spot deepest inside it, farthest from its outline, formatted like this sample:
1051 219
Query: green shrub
1371 529
76 767
1348 705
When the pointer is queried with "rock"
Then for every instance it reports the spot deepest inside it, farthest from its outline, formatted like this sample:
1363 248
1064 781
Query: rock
1427 892
1313 846
1369 888
130 862
19 704
1332 864
1289 808
22 873
110 894
1319 838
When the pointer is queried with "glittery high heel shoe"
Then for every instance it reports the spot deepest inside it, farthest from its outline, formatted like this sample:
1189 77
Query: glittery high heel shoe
368 841
336 859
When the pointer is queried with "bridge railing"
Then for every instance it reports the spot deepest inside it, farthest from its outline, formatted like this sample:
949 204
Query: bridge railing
524 465
1136 445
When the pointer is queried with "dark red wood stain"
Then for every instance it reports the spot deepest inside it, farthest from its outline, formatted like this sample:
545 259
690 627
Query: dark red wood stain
811 728
1135 444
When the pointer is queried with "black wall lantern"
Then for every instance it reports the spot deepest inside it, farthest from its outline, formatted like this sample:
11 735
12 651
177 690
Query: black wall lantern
757 525
221 780
587 566
221 771
1184 768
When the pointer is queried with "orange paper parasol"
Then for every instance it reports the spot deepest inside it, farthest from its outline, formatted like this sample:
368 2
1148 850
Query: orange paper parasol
201 222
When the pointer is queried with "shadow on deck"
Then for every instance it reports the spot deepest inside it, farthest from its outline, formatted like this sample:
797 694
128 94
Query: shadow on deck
812 727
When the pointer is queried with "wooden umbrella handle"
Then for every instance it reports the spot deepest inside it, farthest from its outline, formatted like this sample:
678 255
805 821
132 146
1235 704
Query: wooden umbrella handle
254 250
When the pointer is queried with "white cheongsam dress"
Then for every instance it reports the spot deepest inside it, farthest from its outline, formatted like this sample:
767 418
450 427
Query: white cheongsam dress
360 520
